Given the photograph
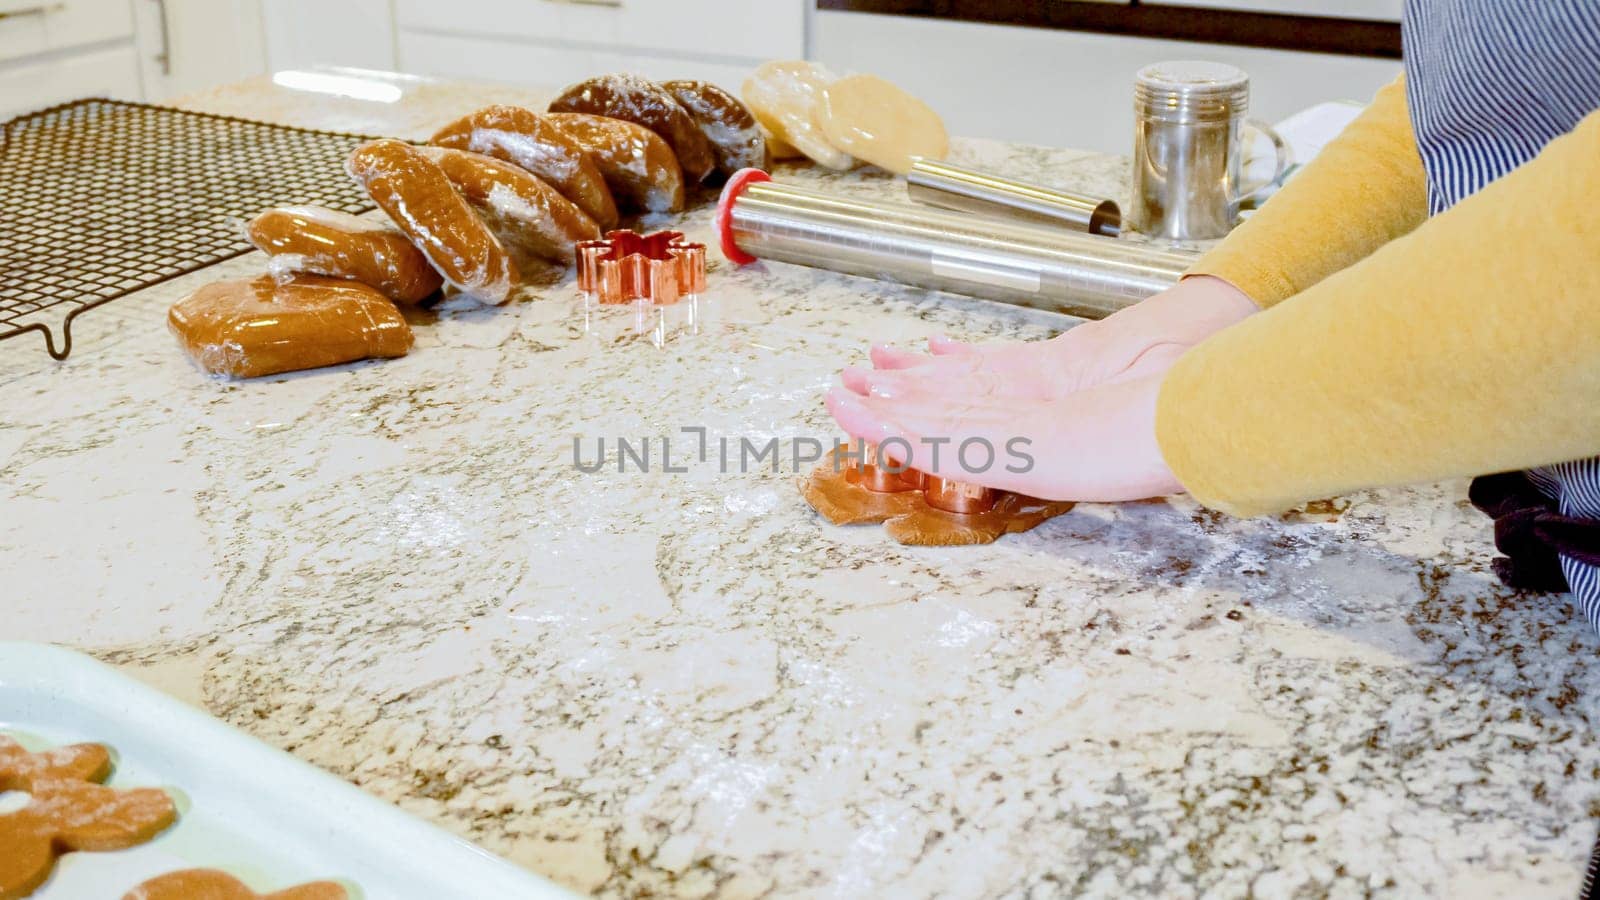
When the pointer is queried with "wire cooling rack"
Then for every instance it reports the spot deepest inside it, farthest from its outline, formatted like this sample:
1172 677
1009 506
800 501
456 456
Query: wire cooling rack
101 198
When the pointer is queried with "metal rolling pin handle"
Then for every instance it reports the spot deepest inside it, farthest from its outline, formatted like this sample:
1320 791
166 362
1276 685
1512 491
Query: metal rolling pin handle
1042 266
949 186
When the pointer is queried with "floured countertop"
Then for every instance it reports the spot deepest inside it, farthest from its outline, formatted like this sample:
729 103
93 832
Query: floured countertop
686 684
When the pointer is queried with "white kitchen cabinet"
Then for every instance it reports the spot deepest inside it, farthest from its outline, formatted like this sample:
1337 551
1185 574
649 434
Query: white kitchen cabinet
1064 88
29 27
190 45
487 59
748 29
301 34
57 50
551 44
110 72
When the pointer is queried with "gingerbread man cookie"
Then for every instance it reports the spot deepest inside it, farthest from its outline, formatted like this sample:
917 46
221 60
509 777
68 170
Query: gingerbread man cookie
919 509
68 809
215 884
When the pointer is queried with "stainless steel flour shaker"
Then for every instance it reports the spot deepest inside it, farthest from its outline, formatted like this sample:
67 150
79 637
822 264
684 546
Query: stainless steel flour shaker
1188 149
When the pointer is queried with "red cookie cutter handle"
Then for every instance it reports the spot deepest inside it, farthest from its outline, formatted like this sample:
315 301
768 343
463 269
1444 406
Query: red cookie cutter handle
724 219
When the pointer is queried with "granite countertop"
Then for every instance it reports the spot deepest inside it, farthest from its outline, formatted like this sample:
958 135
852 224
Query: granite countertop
688 685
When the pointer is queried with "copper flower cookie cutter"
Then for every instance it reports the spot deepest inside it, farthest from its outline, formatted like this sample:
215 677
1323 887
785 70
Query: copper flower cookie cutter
625 265
940 493
850 488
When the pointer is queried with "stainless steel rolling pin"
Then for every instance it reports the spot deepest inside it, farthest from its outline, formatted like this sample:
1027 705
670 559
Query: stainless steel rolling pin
943 184
1028 265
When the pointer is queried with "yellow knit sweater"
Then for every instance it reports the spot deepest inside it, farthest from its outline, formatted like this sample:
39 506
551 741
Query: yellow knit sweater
1395 348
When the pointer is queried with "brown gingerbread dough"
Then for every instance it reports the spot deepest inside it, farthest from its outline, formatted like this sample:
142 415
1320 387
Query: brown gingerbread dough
728 125
317 241
535 143
835 490
643 102
637 164
68 810
260 326
419 198
527 214
215 884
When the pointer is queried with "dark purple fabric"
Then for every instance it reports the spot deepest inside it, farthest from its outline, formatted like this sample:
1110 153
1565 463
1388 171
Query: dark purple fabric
1532 533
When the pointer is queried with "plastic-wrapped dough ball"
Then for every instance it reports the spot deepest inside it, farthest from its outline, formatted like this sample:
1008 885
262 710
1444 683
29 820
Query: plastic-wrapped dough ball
784 96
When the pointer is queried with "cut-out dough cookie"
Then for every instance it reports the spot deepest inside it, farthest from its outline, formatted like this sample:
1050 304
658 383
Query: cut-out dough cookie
728 125
523 211
643 102
68 810
420 199
537 144
260 326
873 120
638 165
784 96
317 241
215 884
835 491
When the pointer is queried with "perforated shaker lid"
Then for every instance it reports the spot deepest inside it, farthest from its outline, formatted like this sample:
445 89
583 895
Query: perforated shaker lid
1191 91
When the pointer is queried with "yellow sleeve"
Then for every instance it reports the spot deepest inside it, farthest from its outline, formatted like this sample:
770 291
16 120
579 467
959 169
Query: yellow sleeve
1366 188
1467 347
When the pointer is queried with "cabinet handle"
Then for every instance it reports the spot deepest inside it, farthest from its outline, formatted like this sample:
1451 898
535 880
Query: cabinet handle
612 3
39 10
165 56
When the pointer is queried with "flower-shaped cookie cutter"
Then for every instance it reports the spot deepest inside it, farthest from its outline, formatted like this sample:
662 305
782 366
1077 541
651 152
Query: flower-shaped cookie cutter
940 493
625 265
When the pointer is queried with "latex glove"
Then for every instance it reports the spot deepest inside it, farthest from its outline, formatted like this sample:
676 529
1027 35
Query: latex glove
1148 336
1096 444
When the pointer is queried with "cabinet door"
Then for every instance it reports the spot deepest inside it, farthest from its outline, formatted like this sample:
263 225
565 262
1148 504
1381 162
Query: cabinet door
305 33
766 29
535 19
95 73
28 27
188 45
549 68
486 59
749 29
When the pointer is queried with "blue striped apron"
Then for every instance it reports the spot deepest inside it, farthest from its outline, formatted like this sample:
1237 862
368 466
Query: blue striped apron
1489 83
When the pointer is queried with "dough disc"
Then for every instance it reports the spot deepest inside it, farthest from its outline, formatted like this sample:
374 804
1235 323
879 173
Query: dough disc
784 97
872 119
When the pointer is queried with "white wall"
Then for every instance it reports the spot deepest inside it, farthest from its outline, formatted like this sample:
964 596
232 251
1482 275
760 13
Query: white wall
1063 88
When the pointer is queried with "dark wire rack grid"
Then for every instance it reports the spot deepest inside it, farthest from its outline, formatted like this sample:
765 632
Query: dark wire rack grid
102 198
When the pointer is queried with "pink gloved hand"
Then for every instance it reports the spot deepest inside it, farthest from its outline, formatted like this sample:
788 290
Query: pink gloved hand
1148 336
